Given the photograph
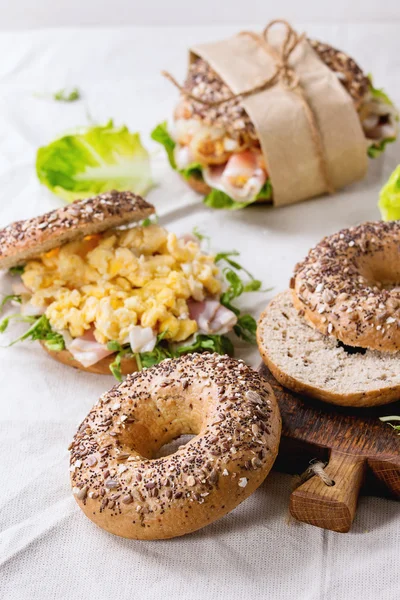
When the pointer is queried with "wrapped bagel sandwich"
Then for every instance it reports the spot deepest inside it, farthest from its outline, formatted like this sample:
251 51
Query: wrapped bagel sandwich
102 287
231 135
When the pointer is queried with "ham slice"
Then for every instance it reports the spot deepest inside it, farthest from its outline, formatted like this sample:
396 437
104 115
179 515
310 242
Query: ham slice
212 317
242 177
87 351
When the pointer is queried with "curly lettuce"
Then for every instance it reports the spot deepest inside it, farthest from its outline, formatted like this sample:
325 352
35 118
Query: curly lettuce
376 148
389 199
93 160
40 329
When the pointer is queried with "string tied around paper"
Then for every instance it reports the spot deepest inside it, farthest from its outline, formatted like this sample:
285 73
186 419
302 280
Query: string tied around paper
283 74
317 468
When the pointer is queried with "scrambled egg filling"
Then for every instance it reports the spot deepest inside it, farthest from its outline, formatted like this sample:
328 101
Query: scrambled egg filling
110 282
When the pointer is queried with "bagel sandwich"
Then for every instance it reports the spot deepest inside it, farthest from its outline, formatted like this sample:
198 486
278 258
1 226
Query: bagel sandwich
104 288
216 148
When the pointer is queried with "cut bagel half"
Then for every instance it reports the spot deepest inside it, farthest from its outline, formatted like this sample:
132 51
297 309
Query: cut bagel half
308 362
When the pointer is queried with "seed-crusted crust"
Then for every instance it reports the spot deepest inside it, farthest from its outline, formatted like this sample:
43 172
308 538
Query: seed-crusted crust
23 240
128 363
230 407
204 82
347 286
351 76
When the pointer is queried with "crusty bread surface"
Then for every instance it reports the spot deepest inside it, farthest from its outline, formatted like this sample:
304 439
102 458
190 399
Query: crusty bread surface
23 240
117 478
198 185
348 286
306 361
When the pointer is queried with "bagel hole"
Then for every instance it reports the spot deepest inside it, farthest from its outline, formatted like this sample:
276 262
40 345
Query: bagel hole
173 445
351 349
382 270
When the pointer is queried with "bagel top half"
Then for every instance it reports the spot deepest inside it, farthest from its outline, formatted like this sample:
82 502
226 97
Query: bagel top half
348 286
23 240
230 118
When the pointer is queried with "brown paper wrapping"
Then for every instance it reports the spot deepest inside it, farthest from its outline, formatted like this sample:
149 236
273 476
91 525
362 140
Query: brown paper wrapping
280 118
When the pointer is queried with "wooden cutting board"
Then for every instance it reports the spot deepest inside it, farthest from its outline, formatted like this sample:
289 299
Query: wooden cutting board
361 452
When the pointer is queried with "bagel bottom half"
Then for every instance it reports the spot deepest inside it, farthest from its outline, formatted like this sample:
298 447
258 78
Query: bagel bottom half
308 362
128 363
122 484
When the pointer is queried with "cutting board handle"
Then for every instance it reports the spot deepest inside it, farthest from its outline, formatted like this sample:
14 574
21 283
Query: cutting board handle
331 507
387 470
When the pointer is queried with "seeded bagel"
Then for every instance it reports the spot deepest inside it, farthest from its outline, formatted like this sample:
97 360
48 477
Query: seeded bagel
123 488
231 117
23 240
308 362
198 185
347 286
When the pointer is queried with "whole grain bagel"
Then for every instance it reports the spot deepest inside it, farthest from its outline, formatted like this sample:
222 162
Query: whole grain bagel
123 487
318 366
198 185
128 363
23 240
346 286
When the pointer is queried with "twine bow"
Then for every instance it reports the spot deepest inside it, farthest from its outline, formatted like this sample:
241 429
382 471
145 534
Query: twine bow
283 74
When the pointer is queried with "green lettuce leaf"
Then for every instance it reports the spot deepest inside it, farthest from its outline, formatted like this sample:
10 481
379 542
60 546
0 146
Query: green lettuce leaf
208 343
160 352
161 135
390 420
378 93
93 160
17 270
200 236
266 191
10 298
193 170
218 199
67 95
150 221
377 148
246 328
389 199
121 351
40 329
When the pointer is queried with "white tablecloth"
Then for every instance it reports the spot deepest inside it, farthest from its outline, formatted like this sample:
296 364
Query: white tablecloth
48 549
